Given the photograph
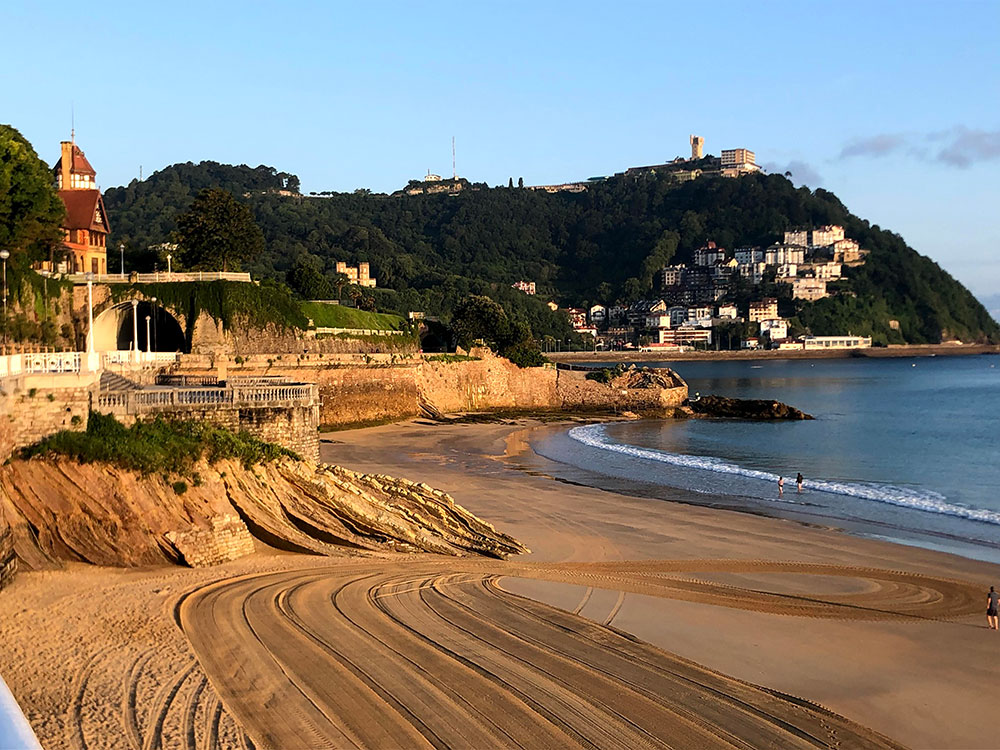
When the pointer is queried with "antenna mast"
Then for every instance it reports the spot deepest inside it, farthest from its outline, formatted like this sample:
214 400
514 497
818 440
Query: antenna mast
454 174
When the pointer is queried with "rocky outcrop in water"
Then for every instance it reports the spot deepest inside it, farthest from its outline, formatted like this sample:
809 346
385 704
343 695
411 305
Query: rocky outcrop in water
720 407
61 510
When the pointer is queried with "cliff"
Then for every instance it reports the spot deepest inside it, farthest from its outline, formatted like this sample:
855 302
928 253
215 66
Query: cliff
62 510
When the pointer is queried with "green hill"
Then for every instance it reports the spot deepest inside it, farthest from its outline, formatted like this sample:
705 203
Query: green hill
601 245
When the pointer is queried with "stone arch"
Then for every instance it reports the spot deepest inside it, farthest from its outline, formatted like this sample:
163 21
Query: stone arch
113 328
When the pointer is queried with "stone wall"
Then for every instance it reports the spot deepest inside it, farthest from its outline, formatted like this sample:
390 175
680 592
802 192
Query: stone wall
32 412
295 428
226 539
488 383
578 393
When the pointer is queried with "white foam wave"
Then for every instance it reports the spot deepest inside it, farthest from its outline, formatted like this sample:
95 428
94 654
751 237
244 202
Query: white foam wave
595 436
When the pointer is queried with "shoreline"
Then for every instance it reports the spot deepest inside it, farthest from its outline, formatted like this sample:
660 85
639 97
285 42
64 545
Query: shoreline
894 351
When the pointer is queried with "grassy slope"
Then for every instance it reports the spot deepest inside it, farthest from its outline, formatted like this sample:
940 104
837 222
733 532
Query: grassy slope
339 316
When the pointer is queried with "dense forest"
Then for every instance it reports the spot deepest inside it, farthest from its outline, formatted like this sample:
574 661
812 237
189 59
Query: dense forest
603 245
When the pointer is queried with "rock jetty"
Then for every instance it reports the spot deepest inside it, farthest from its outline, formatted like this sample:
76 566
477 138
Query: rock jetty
720 407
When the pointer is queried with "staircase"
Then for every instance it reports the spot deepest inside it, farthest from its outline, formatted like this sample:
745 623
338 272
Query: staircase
112 381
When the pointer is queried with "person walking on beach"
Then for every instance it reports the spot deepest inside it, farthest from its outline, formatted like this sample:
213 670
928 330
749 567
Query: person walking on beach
798 481
781 486
992 602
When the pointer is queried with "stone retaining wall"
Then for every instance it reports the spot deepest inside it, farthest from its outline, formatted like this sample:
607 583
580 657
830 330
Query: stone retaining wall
30 413
578 393
227 539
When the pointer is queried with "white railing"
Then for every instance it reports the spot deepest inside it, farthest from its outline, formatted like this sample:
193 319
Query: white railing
151 400
54 363
158 277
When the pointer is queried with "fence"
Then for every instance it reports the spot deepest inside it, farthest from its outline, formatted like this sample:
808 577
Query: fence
152 400
158 277
357 332
53 363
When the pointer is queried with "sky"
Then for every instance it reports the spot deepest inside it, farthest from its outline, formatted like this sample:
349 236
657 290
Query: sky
893 106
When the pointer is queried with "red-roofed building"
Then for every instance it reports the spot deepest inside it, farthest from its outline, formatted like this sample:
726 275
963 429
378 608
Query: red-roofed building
86 225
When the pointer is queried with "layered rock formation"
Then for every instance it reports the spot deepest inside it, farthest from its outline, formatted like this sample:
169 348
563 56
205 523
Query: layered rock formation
59 510
721 407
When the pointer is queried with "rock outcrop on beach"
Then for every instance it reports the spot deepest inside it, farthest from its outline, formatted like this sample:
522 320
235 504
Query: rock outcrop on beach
62 510
720 407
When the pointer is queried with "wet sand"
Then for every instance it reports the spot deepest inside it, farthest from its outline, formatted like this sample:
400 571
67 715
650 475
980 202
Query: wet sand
633 623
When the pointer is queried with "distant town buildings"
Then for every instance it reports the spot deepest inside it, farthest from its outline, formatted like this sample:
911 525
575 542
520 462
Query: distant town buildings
528 287
356 274
836 342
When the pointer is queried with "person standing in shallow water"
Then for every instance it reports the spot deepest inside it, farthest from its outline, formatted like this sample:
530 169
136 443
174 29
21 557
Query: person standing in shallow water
781 486
992 602
798 481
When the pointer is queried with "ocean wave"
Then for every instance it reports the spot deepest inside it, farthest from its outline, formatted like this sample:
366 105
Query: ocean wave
929 501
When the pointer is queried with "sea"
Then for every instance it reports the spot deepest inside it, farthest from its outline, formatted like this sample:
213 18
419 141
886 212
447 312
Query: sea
901 449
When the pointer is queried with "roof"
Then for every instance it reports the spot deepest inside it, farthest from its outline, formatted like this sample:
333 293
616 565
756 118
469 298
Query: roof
82 207
80 164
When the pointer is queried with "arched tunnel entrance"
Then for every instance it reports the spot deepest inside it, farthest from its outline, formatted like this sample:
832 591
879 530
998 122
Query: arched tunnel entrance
113 329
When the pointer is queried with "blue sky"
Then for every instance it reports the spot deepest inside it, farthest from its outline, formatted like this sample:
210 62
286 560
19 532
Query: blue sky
894 106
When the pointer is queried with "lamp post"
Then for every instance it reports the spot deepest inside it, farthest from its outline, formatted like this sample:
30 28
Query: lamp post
135 330
154 323
91 364
169 256
4 254
147 337
121 249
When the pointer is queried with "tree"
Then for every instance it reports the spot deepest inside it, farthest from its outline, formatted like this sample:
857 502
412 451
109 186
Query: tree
218 229
479 318
510 183
30 208
660 256
307 278
520 182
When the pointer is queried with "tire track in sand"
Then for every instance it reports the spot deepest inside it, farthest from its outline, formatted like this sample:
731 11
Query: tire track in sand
437 655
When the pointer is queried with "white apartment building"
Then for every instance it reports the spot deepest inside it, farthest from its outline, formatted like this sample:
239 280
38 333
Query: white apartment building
753 271
658 320
787 271
777 328
699 315
826 235
727 312
808 289
765 309
672 275
836 342
747 255
598 314
846 251
778 254
709 255
678 315
797 237
828 271
723 269
684 335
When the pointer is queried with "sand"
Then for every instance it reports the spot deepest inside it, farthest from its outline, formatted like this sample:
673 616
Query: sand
633 623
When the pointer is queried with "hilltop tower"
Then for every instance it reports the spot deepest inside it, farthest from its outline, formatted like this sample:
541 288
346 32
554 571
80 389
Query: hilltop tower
86 225
697 146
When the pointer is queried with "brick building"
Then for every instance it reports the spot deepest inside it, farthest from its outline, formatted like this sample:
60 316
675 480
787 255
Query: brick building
86 225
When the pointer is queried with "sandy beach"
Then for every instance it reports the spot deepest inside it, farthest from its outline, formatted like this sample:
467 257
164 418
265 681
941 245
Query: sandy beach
632 623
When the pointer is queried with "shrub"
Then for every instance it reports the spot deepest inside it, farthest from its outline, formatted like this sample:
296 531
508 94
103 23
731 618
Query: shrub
160 445
180 487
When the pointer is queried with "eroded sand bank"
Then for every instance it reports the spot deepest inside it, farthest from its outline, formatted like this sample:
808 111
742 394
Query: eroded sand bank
286 650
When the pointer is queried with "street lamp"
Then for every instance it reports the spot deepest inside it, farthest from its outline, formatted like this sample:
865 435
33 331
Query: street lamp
121 249
135 330
147 337
169 256
91 358
154 323
4 254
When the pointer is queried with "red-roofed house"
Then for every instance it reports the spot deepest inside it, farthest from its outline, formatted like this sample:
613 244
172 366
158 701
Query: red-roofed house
86 225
